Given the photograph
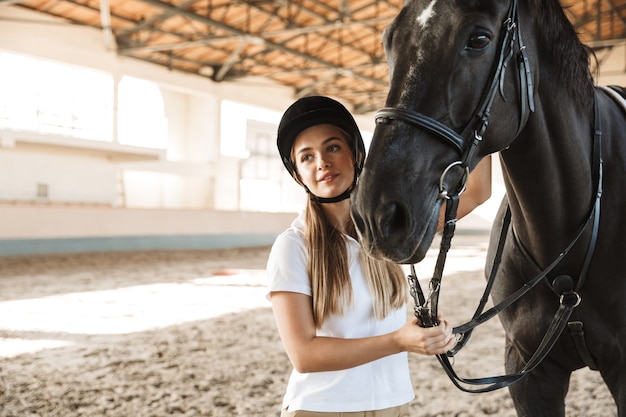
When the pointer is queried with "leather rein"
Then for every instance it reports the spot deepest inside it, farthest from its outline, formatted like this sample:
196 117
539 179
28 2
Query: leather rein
426 307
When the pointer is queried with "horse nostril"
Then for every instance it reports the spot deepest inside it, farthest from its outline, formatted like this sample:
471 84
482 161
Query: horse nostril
392 218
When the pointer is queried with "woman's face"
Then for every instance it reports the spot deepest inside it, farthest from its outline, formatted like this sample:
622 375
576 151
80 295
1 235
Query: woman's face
324 160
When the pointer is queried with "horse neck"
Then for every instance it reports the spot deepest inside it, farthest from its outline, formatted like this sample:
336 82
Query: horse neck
548 176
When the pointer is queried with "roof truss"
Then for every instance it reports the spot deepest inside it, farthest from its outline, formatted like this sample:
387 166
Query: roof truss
330 47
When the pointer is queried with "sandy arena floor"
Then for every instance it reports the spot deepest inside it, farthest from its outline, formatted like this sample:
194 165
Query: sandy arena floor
191 334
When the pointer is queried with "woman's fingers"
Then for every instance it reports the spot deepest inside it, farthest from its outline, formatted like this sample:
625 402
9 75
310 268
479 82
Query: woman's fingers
431 340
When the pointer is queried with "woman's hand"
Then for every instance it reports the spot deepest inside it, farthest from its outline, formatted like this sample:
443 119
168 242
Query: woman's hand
425 340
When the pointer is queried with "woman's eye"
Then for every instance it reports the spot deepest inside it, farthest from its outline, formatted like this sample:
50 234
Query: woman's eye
478 41
333 148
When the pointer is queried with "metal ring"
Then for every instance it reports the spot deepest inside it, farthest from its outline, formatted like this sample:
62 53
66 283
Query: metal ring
443 193
578 298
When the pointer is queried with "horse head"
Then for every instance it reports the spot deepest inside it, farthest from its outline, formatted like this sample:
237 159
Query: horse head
455 68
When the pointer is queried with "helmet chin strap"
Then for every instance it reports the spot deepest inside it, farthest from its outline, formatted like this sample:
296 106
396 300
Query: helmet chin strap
322 200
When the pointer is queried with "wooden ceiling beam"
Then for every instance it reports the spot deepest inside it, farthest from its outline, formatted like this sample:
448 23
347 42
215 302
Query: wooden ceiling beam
268 44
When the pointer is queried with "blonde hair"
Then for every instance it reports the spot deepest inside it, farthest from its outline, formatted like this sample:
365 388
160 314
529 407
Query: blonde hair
329 271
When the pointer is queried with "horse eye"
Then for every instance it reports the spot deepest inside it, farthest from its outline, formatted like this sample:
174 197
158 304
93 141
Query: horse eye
478 41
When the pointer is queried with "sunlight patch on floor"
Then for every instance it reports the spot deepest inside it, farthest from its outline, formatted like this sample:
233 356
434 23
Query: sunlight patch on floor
127 310
12 347
148 307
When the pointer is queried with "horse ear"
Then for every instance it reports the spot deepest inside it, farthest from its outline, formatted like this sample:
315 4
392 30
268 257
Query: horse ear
359 152
358 162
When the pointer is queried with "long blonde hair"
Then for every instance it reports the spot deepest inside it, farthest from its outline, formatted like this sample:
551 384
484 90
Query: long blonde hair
328 267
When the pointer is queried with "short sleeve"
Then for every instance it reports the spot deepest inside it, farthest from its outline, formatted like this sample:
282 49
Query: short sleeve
287 265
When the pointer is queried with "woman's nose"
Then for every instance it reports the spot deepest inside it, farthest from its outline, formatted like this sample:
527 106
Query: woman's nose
322 163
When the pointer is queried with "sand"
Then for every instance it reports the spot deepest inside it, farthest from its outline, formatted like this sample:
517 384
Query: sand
191 334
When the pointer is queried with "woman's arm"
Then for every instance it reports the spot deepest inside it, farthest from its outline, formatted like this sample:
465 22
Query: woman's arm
478 190
311 353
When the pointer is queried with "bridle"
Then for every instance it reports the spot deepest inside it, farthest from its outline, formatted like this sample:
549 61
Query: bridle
467 141
466 144
477 125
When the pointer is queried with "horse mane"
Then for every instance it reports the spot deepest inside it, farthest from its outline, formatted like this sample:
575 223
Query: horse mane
558 36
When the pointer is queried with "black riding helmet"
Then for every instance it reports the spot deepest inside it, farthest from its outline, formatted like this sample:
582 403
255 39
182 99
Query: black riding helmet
316 110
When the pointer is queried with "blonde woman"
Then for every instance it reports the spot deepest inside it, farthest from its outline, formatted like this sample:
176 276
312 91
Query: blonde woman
341 315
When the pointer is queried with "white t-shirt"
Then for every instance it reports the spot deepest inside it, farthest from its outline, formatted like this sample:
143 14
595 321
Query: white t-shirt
380 384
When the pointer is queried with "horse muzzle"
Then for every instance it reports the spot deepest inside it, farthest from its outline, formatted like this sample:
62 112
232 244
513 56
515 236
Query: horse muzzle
388 230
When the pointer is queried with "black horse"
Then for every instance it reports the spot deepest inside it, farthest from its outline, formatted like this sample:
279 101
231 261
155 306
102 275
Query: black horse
474 77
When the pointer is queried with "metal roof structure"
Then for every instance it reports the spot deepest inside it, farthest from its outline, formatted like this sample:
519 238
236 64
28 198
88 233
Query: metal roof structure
330 47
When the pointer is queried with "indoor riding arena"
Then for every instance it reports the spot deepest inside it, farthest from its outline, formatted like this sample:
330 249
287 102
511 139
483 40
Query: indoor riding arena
141 191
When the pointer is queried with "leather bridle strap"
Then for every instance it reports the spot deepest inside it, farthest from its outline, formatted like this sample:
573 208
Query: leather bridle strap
569 300
427 123
497 79
464 336
563 286
465 152
426 310
593 219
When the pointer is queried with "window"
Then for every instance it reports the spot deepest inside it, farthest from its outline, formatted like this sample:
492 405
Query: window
54 98
249 133
140 114
261 172
234 124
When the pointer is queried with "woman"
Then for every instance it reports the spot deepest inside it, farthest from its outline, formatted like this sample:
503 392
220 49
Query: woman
341 315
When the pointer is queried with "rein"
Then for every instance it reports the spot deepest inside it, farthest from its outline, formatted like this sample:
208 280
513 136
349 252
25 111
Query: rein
426 306
563 285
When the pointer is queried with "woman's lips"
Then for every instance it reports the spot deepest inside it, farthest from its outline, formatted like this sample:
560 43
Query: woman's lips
327 178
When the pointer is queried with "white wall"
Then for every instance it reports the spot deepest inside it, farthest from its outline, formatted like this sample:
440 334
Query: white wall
192 107
186 189
68 177
24 222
